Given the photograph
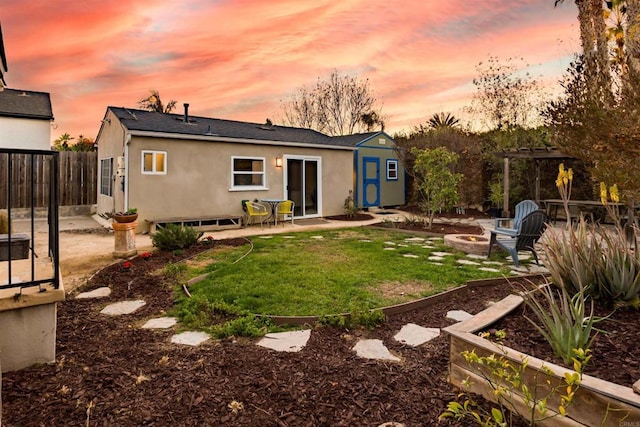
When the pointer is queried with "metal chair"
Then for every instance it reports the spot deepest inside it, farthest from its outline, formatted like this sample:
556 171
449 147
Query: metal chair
257 211
523 208
530 230
284 210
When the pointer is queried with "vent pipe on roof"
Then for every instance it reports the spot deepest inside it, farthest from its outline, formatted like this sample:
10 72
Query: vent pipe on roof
186 113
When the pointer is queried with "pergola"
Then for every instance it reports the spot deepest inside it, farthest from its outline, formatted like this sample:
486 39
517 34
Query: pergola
538 155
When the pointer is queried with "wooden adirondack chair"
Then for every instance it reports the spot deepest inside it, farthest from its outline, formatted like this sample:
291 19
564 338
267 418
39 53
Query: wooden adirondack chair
530 230
510 226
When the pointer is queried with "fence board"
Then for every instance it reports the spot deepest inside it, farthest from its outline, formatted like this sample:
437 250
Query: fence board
77 179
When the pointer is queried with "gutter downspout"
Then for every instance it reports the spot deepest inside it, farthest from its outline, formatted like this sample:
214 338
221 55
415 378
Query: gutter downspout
127 141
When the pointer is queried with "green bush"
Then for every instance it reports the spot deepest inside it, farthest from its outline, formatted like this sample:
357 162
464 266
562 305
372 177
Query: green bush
174 237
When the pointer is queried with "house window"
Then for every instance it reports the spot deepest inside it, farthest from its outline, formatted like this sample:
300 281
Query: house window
106 171
247 173
392 170
154 162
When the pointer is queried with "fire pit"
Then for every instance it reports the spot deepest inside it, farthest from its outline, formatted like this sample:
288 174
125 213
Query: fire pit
469 243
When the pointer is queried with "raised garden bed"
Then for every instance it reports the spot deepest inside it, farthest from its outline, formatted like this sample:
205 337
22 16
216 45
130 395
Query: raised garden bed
596 402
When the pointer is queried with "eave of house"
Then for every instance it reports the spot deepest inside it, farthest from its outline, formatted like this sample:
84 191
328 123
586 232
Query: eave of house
215 138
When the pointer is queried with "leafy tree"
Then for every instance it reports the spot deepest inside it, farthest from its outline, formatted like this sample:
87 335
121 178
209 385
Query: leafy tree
154 103
437 182
64 143
466 145
340 105
506 97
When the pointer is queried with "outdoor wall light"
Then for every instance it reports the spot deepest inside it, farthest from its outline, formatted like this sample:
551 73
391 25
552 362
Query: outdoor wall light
278 162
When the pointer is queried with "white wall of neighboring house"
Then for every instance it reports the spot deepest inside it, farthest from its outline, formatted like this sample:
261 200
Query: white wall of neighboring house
25 133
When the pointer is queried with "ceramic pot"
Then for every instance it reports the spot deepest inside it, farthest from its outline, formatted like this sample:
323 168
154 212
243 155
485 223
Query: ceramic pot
125 218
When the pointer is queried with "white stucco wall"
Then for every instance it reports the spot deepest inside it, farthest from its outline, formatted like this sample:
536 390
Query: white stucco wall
25 133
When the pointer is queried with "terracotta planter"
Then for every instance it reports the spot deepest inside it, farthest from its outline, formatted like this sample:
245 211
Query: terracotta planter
125 218
594 401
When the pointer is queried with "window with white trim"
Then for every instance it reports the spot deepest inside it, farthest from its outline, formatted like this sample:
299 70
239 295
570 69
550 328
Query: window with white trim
154 162
392 170
247 173
106 181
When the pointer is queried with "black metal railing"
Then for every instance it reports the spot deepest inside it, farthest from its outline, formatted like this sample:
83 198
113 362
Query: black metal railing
21 247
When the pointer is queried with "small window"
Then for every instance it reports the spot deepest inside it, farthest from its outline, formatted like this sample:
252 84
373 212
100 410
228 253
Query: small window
106 171
154 162
392 170
247 173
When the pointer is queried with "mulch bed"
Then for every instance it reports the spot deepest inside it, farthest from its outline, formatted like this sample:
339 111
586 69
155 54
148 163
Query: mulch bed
110 372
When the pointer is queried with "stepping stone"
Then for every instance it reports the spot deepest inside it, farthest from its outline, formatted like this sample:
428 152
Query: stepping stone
389 243
389 249
489 269
288 237
537 269
414 335
518 272
414 239
476 256
492 263
317 237
391 424
458 315
410 256
467 262
436 258
366 241
374 349
435 239
102 292
292 341
441 253
190 338
437 263
122 307
402 245
266 237
160 323
428 247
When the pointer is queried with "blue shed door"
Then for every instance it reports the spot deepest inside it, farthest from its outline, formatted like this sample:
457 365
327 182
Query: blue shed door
370 181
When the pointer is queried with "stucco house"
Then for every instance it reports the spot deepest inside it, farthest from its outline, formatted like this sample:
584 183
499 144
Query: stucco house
378 173
176 166
25 119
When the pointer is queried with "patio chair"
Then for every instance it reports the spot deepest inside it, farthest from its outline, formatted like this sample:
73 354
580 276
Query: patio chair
284 210
530 230
256 211
510 226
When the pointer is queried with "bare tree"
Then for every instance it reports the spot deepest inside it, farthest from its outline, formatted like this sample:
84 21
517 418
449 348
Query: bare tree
340 105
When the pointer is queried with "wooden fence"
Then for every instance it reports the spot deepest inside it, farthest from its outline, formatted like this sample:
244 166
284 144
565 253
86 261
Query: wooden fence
77 183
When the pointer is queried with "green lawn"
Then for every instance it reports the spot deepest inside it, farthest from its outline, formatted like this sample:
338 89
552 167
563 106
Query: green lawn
329 272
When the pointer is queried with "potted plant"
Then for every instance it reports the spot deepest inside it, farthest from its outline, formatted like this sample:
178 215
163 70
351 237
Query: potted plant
124 217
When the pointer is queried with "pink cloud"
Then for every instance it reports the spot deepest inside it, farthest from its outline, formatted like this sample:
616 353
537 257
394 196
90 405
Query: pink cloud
239 59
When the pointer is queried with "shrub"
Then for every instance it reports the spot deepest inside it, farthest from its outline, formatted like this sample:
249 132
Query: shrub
350 207
173 237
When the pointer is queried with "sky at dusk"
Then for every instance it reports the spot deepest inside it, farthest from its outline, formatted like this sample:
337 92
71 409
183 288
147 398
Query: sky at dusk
238 59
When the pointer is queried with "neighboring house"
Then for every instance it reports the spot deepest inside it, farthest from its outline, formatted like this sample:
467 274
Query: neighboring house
177 166
25 119
379 175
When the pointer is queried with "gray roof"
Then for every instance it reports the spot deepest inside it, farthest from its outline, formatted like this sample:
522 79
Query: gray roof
152 121
25 104
355 139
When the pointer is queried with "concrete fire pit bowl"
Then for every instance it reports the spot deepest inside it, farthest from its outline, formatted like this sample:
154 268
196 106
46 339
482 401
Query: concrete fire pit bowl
468 243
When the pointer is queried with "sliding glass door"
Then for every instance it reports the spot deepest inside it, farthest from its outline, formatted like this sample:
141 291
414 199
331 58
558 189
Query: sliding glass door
303 185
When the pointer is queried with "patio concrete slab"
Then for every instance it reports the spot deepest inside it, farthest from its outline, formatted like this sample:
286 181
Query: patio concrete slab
458 315
415 335
122 307
160 323
102 292
374 349
190 338
292 341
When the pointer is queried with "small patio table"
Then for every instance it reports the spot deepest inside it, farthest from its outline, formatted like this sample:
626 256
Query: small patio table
273 203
